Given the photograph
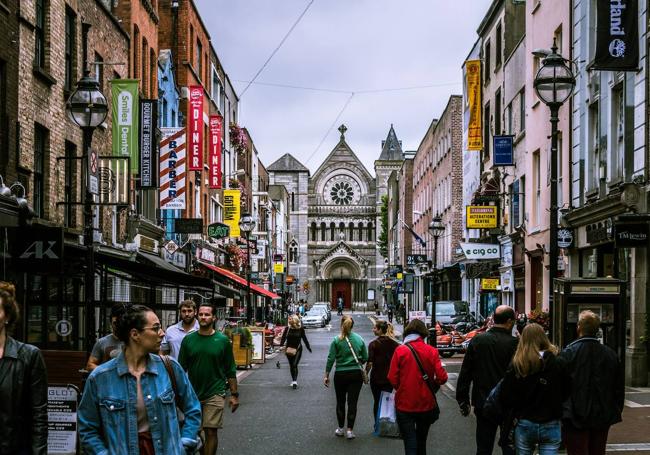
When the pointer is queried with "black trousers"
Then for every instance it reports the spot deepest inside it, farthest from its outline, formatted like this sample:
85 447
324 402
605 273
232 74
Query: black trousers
414 427
376 394
294 360
347 385
486 432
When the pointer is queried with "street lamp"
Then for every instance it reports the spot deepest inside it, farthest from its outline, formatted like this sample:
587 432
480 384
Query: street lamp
247 225
87 107
554 84
437 229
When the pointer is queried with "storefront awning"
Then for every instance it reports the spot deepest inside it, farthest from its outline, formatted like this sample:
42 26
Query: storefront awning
239 280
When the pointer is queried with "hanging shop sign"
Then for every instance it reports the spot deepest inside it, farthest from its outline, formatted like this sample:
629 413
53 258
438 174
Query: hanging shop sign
214 158
278 267
125 106
148 122
206 255
415 259
114 180
481 250
172 169
489 284
195 128
481 216
188 225
617 36
474 128
38 249
62 419
231 210
218 230
564 238
631 235
503 151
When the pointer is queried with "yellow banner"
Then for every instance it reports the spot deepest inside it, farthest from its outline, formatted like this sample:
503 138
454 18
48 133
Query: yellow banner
474 129
489 284
278 267
231 212
481 216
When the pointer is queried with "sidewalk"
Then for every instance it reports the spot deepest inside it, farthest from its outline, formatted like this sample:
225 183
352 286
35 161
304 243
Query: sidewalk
632 435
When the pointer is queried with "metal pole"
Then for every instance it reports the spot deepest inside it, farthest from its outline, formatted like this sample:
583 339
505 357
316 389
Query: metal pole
553 250
434 295
89 281
249 309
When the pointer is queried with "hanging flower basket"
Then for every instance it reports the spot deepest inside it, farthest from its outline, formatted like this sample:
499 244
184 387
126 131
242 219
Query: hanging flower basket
233 184
237 138
235 257
540 317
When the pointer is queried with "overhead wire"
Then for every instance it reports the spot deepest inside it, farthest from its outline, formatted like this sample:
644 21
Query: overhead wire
347 102
277 48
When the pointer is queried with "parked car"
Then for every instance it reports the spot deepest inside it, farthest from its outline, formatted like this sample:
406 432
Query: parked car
448 311
327 309
316 317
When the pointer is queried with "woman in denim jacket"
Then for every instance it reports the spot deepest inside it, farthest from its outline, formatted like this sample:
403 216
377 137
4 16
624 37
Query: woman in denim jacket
129 406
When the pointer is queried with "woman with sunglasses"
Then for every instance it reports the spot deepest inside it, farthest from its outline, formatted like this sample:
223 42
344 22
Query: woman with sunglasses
129 403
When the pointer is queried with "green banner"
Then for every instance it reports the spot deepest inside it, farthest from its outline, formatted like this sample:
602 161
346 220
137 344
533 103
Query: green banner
125 120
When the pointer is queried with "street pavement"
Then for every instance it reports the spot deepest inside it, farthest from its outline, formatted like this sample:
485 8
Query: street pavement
274 418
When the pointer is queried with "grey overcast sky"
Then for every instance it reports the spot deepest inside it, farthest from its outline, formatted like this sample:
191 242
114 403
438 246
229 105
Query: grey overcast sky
348 46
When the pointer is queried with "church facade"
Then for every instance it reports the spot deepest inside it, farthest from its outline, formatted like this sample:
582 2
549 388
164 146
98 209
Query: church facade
335 224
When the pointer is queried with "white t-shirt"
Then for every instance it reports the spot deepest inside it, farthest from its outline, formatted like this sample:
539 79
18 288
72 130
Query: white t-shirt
174 337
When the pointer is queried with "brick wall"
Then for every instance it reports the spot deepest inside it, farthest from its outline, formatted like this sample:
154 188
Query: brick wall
9 46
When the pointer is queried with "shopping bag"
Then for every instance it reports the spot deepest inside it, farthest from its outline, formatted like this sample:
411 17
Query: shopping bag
386 423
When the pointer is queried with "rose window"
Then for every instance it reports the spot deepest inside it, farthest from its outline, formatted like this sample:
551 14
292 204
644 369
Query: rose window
342 193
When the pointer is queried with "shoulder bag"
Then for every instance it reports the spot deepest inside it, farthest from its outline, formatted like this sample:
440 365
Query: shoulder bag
289 350
427 380
364 375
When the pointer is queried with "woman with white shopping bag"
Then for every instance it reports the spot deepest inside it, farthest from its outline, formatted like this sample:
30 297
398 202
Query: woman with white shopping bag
380 353
294 335
416 373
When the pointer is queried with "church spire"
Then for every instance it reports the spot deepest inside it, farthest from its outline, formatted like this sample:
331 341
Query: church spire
391 148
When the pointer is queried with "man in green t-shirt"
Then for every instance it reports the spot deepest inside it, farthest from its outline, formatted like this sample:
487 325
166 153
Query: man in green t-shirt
207 357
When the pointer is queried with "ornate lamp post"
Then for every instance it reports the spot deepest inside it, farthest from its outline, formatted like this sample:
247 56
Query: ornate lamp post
554 84
87 107
246 225
437 229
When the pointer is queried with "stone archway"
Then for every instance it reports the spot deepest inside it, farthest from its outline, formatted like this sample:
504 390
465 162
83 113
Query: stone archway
342 276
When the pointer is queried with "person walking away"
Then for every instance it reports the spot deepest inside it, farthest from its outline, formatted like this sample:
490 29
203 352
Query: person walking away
339 305
109 346
294 335
390 313
23 386
597 391
415 401
348 351
486 360
129 404
534 387
380 353
171 344
207 357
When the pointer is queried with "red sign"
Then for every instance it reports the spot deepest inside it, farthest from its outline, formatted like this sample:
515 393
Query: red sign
214 152
195 128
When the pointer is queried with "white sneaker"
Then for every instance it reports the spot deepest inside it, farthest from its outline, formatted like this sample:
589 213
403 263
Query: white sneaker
339 432
294 384
349 434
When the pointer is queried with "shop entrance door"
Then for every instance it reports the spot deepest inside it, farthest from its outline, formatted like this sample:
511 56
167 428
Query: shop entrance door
341 288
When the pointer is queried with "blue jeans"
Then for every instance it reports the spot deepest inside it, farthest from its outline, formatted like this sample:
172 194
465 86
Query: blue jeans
545 435
414 427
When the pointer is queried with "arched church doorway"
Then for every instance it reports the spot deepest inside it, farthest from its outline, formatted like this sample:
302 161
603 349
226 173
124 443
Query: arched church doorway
342 277
341 288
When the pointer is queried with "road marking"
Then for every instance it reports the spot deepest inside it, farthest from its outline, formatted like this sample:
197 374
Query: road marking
632 404
628 447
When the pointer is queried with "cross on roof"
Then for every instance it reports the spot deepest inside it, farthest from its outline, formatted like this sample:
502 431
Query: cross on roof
342 129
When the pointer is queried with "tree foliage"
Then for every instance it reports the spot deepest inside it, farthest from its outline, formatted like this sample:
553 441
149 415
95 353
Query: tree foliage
383 234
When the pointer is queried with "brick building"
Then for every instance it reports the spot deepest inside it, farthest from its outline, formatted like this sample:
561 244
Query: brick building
9 90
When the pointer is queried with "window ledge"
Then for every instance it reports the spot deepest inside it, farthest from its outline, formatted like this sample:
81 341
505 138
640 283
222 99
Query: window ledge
519 137
44 76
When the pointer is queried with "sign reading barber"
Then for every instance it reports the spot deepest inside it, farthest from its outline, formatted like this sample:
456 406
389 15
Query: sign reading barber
617 36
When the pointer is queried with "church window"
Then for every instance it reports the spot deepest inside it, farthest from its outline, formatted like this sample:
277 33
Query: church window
313 232
342 231
322 231
370 232
351 227
332 233
293 252
360 232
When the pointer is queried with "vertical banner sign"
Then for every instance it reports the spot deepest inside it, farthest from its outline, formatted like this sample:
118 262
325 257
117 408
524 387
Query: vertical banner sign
125 120
231 201
173 168
474 129
617 36
195 128
148 122
214 156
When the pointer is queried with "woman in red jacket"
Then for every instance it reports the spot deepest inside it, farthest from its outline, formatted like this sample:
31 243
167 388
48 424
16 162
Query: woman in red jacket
415 401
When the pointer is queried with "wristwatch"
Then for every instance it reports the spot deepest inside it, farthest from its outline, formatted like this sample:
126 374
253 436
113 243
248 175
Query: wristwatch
234 394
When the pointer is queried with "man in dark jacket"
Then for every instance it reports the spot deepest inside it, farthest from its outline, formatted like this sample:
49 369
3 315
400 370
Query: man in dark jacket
485 363
597 390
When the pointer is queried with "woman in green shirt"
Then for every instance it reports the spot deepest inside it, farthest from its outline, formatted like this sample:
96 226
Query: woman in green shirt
348 351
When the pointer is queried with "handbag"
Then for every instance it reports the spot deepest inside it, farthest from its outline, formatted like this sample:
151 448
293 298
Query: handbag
386 422
364 375
179 412
427 380
291 351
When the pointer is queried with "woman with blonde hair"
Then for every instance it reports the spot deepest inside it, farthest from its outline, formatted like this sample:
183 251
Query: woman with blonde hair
294 335
348 351
534 387
380 353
